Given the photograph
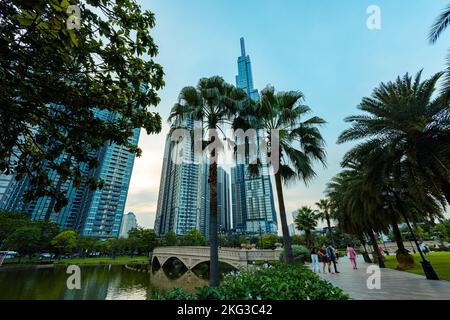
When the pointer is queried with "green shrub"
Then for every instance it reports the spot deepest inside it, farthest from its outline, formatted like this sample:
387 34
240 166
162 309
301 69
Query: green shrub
176 294
280 282
301 254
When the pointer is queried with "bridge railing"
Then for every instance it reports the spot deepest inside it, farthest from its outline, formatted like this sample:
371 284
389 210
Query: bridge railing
235 254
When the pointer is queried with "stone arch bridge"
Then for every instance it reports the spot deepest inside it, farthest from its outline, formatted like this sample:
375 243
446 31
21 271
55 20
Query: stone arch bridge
192 256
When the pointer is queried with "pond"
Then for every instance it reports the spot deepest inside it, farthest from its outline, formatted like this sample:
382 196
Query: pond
102 282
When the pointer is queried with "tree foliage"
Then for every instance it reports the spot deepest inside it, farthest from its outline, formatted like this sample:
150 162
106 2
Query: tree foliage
214 103
306 220
193 238
284 118
25 240
144 240
65 242
53 78
12 236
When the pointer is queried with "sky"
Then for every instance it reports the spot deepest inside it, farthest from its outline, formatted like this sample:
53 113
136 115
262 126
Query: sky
322 48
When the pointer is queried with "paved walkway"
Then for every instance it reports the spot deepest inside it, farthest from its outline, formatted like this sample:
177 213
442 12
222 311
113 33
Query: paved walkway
395 285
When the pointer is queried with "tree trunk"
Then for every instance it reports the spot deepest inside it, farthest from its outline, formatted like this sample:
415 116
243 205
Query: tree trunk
376 249
214 278
288 256
308 238
365 254
331 233
404 259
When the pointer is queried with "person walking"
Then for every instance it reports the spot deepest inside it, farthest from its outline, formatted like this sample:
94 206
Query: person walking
351 254
324 258
331 253
315 260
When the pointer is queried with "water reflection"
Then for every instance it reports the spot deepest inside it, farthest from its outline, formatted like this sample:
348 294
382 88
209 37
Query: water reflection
97 283
188 281
173 268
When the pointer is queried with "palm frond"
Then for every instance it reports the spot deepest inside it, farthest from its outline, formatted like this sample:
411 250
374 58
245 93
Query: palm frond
441 23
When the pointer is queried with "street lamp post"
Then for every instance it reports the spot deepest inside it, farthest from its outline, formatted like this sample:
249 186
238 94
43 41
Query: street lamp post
426 265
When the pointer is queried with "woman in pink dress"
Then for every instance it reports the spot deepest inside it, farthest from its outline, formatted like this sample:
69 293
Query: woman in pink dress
351 254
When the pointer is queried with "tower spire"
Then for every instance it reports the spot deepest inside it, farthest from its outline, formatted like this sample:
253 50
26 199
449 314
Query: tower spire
242 47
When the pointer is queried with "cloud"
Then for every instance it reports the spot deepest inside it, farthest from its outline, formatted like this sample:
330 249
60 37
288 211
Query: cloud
144 185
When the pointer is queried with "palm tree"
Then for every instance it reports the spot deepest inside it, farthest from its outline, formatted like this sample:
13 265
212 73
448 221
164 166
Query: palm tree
281 115
325 213
213 102
306 220
441 23
407 144
357 209
407 137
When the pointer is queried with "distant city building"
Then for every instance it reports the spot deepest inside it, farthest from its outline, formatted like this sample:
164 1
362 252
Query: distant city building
183 199
292 229
129 222
252 195
92 213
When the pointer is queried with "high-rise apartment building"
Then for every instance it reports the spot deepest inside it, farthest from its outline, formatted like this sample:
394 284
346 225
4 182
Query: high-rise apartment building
129 222
183 199
92 213
179 201
252 195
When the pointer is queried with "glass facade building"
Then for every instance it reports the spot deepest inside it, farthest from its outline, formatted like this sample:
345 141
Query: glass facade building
92 213
252 195
129 222
244 79
179 199
183 199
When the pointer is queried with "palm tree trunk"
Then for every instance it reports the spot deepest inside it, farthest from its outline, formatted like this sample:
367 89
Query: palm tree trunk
404 259
308 238
376 249
289 258
398 237
214 278
331 233
365 254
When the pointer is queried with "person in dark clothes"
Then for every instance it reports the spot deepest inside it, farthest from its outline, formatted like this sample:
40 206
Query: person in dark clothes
331 253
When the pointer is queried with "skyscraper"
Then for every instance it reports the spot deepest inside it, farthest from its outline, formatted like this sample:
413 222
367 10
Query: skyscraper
129 222
183 199
252 195
92 213
179 199
244 79
5 181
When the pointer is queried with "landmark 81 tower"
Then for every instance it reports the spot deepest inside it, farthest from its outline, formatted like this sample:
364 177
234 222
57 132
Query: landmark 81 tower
244 79
252 195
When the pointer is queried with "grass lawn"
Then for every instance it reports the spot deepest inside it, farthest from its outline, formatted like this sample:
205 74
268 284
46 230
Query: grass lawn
439 260
103 260
90 260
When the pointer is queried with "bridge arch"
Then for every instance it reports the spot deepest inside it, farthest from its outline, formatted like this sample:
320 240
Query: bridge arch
193 256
